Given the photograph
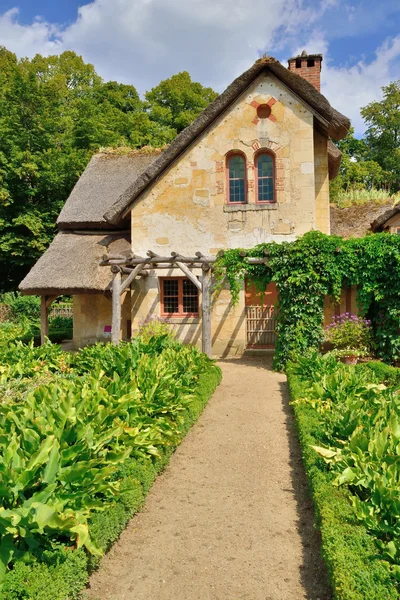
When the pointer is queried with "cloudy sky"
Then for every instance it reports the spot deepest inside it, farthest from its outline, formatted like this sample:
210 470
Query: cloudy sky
144 41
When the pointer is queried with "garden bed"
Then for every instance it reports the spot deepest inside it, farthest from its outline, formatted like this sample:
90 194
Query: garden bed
114 416
342 415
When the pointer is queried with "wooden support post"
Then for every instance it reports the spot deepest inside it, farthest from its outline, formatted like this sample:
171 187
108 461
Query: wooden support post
130 278
206 341
189 274
116 307
44 320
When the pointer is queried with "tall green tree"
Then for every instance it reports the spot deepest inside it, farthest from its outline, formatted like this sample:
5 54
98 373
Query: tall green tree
383 132
55 112
177 101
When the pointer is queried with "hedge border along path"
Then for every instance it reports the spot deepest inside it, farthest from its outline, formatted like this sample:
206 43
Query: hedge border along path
66 580
349 551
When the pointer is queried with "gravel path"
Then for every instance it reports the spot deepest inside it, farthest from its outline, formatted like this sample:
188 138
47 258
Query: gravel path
230 519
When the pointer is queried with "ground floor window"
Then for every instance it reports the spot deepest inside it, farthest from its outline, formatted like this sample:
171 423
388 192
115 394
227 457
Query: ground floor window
179 297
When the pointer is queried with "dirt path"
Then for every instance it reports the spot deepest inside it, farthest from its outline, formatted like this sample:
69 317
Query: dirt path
230 519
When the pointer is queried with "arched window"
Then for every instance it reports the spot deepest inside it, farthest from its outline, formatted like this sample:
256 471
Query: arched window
265 170
236 175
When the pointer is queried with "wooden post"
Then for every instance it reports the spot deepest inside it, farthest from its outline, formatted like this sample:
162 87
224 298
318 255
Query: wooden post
116 307
44 320
206 341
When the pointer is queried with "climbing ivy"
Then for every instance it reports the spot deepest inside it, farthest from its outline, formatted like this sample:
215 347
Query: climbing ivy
315 266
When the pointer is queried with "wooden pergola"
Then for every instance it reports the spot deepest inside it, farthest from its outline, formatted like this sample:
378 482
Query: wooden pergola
135 266
127 268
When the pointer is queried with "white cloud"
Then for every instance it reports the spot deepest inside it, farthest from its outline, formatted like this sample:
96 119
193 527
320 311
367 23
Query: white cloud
351 88
27 40
144 41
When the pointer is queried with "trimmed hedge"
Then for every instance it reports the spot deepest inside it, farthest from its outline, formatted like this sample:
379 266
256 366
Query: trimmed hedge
355 570
63 575
385 373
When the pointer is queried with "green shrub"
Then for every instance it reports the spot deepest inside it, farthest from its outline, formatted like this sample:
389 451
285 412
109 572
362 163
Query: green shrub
383 372
356 570
22 306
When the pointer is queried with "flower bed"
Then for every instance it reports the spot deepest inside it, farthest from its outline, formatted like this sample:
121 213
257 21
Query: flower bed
81 452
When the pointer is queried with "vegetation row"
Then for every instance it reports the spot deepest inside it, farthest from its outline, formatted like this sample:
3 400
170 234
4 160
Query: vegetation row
348 419
82 437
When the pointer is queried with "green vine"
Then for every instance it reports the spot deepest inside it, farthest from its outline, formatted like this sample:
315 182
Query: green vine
313 267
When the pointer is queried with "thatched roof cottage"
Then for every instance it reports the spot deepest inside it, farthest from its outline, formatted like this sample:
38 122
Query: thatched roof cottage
140 232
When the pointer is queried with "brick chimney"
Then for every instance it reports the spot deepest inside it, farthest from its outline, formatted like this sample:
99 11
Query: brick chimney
307 66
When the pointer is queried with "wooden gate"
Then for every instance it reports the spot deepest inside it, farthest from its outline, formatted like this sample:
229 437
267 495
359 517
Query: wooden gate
261 316
261 326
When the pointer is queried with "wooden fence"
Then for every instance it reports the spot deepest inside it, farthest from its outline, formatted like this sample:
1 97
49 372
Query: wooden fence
61 310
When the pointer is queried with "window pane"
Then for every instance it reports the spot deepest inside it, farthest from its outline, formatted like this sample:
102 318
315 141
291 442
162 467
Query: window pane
236 167
170 287
236 190
189 289
265 165
171 305
190 304
265 190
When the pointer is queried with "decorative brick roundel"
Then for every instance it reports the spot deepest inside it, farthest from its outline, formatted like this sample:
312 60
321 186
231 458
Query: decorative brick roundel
263 111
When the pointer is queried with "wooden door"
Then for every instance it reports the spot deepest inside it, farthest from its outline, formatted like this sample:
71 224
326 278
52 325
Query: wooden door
261 313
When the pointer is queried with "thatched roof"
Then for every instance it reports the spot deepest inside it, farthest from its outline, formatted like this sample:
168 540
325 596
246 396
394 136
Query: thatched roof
355 221
379 224
71 264
106 177
330 121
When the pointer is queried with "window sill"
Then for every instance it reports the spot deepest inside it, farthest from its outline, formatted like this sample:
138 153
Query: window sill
245 207
181 320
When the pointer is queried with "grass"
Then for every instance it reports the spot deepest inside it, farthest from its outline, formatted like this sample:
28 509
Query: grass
354 197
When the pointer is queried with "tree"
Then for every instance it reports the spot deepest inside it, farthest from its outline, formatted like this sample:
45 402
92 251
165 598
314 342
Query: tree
383 133
55 112
357 170
177 101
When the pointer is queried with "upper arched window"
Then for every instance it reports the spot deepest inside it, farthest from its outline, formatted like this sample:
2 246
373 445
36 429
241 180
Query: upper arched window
265 170
236 174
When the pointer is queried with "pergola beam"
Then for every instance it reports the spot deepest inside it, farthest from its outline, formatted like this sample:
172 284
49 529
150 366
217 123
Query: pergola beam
189 274
142 265
116 307
130 278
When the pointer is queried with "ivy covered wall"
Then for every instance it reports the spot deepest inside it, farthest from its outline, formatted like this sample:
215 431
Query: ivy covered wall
315 266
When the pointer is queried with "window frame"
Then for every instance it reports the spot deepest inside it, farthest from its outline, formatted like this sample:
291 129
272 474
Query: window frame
228 158
256 157
180 314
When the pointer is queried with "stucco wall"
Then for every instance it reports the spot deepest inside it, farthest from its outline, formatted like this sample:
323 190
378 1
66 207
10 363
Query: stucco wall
186 209
91 312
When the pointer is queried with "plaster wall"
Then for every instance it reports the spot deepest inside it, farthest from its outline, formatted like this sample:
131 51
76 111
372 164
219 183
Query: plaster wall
91 312
321 174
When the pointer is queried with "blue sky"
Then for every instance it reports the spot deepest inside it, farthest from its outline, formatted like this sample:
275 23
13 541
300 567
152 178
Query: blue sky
144 41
